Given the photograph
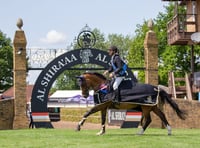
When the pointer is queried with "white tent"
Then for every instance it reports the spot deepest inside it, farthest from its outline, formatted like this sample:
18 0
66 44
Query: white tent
67 93
70 98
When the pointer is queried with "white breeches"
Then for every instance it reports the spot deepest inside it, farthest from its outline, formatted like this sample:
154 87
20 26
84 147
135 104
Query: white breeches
117 82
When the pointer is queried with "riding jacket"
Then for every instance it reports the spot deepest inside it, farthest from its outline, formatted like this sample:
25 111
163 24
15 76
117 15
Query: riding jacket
118 67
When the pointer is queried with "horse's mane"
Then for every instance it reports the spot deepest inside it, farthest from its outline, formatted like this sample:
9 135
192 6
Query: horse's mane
97 74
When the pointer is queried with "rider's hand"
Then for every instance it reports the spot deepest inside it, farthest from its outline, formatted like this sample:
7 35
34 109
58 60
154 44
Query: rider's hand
105 73
111 75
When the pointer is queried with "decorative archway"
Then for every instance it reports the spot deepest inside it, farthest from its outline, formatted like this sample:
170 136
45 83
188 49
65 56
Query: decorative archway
53 70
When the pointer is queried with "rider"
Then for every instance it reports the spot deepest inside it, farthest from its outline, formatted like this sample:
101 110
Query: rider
117 71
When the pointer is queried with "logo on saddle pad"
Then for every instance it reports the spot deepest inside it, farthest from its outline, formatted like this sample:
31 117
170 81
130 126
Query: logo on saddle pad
149 100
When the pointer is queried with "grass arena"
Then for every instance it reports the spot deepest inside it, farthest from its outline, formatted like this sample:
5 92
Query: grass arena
123 138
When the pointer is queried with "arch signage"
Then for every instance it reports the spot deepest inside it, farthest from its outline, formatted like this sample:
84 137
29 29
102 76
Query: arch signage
47 77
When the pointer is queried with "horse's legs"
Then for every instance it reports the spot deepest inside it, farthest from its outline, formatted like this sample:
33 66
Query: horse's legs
91 111
147 118
141 121
103 121
94 109
159 113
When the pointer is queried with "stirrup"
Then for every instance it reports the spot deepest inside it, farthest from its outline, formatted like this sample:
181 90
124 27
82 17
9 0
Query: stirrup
115 100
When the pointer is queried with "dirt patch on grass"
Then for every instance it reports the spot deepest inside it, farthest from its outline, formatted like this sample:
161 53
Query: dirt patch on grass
72 125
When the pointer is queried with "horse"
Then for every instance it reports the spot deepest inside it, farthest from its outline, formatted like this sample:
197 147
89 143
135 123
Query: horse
140 92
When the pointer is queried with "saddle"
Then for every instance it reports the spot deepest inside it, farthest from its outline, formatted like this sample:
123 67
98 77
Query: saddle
130 91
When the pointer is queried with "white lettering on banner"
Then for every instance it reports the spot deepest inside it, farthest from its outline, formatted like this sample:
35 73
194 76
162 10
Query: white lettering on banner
52 72
101 58
53 69
118 115
41 96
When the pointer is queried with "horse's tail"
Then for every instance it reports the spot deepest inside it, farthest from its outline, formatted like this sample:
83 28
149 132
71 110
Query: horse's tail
165 96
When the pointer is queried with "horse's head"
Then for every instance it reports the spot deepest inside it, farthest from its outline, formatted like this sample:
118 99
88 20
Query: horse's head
89 81
83 85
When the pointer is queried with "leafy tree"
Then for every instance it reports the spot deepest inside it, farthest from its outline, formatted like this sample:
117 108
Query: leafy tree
122 42
6 62
67 79
171 58
175 58
100 39
136 52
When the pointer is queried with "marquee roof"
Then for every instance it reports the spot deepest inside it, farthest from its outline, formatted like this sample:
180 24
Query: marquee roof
67 93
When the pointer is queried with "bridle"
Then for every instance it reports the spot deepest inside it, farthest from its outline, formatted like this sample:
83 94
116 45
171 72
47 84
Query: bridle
84 87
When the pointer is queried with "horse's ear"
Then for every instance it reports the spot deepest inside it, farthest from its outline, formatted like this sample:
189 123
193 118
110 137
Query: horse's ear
80 80
80 77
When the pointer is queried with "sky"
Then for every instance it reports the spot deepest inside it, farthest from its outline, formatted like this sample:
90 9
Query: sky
55 23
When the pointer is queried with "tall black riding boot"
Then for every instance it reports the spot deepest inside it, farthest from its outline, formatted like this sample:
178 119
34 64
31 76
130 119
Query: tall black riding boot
116 96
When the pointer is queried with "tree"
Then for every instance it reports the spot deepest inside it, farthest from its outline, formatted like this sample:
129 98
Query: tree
6 62
67 79
171 58
136 52
122 42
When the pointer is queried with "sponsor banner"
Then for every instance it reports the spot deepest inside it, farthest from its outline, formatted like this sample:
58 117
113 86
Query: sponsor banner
40 117
118 117
133 116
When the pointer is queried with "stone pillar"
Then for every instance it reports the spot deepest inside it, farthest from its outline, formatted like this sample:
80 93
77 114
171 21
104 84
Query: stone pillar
151 56
19 66
151 64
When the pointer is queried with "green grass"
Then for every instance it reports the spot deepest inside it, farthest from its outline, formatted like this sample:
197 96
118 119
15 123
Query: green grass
114 138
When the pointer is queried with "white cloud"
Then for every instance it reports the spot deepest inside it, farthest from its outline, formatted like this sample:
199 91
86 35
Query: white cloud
54 37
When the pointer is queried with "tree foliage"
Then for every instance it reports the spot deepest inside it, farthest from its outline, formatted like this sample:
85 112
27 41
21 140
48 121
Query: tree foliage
175 58
136 52
6 62
122 42
67 79
171 58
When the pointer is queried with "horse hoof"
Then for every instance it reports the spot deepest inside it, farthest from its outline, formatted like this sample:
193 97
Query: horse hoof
100 133
169 134
169 129
78 128
141 132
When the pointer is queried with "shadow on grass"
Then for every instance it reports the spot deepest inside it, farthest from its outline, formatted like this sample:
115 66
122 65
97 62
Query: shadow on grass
144 135
155 135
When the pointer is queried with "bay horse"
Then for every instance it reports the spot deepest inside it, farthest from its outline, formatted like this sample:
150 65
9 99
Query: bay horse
140 92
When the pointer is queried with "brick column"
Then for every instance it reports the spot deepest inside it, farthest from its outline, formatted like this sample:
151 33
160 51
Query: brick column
151 64
151 56
19 66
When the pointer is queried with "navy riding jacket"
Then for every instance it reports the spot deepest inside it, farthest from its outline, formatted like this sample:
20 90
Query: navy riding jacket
117 66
